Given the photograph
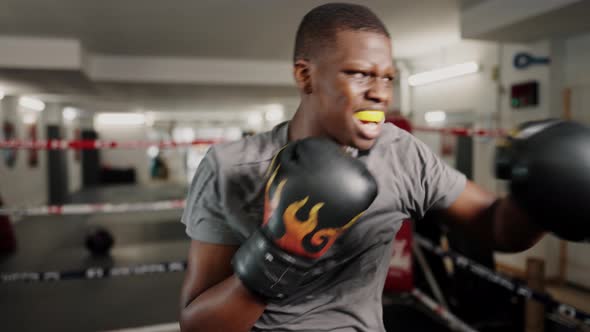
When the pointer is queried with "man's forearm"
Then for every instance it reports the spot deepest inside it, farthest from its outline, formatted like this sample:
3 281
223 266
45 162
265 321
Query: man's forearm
227 306
512 229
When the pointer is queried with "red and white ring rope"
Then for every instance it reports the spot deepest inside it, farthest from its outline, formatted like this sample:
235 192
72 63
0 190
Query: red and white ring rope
458 131
101 144
97 144
70 209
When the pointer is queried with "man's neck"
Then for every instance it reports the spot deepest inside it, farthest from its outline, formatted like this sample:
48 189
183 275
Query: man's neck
298 126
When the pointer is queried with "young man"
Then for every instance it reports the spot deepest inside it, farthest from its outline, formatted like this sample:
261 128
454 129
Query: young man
344 72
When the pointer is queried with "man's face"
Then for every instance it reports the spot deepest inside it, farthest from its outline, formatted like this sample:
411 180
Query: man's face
354 75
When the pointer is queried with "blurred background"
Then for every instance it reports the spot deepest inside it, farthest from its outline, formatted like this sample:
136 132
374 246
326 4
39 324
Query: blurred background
187 71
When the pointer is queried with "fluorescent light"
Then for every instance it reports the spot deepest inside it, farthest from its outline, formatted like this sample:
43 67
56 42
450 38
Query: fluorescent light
120 119
150 119
274 115
443 73
275 112
183 134
255 119
153 151
70 113
434 117
31 103
29 118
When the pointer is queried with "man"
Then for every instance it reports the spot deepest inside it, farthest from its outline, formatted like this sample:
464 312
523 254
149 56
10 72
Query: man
344 72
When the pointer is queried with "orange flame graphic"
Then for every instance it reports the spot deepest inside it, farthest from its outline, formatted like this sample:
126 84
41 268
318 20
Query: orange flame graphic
270 204
296 230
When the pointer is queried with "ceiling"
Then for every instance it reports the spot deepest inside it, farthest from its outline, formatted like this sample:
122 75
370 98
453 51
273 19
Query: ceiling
237 29
73 87
255 29
569 20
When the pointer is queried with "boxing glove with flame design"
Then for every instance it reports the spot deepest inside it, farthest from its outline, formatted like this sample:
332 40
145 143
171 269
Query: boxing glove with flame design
314 193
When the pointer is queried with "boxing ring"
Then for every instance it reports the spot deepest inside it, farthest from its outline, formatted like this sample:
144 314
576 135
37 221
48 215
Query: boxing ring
569 316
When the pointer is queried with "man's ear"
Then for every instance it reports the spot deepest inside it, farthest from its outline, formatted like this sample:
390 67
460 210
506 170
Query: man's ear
302 73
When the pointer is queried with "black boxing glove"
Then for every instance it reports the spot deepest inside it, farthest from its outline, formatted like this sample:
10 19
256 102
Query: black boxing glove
548 165
314 193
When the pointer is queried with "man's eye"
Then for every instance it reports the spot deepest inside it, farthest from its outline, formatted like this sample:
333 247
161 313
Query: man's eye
357 74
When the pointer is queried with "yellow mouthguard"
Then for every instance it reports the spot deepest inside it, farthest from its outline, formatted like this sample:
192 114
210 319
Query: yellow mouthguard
370 116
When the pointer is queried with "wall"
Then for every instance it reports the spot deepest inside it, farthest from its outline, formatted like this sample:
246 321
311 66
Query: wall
471 98
548 247
483 100
22 185
569 69
577 50
577 78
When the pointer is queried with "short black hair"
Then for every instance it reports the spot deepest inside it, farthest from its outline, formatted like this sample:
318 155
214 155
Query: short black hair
320 25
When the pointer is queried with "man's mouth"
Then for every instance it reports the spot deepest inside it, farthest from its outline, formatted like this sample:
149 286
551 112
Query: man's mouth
369 122
370 116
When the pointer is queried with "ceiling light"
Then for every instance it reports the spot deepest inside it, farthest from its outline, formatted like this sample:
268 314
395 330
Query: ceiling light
150 119
31 103
275 112
443 73
120 119
434 117
29 118
153 151
183 134
70 113
255 119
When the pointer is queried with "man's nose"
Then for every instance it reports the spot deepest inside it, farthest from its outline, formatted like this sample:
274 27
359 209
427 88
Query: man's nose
379 92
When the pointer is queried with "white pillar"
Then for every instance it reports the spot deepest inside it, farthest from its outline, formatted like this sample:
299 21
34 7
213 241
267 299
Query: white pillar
404 89
86 120
53 115
9 107
10 118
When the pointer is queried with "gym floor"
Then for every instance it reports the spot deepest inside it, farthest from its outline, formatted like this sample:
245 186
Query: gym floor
56 243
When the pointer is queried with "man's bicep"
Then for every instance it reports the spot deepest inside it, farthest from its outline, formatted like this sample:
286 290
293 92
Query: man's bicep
470 204
208 265
438 184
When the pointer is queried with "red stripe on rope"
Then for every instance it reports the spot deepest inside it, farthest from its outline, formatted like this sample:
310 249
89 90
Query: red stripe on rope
97 144
463 131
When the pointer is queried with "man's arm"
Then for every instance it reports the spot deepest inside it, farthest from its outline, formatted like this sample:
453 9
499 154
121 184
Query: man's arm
497 223
212 297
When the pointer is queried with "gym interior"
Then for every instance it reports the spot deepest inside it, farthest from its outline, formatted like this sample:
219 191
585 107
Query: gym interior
108 108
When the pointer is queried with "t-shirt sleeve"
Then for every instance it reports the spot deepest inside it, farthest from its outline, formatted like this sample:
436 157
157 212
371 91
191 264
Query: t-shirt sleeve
439 184
204 215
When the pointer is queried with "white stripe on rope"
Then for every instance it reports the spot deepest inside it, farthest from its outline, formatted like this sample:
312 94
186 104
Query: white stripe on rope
515 287
168 327
92 273
60 144
70 209
454 322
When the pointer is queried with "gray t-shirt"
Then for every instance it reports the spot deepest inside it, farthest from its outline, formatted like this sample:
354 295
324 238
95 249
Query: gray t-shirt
225 205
